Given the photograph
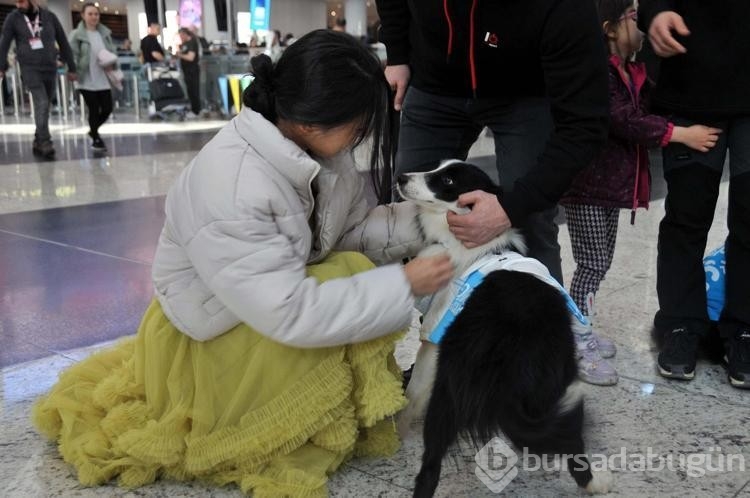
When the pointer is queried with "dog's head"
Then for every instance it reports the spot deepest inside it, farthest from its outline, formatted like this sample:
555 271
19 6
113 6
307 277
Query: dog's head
438 190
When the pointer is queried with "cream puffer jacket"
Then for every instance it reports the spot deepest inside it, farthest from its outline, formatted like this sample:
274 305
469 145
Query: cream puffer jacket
242 223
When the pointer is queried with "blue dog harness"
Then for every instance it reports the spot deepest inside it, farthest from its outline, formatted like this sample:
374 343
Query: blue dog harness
462 287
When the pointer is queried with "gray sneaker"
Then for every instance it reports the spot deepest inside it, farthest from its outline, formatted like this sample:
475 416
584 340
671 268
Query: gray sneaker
592 368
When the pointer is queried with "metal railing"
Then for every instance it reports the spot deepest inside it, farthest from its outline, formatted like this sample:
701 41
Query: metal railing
135 94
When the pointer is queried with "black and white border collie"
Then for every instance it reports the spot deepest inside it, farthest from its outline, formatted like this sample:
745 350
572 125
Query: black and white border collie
506 362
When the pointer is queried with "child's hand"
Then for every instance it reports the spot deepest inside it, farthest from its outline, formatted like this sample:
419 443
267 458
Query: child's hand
428 275
698 137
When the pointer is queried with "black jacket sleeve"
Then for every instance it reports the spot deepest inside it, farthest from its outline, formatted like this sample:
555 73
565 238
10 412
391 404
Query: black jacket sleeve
394 30
574 62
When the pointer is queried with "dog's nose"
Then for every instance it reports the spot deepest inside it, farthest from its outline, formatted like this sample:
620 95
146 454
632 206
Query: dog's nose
402 180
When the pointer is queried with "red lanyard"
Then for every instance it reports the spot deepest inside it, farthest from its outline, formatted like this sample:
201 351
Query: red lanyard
35 29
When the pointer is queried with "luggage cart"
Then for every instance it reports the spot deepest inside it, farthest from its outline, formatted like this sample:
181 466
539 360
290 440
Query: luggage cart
166 95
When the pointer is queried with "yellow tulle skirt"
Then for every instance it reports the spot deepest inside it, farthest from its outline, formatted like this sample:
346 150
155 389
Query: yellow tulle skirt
243 409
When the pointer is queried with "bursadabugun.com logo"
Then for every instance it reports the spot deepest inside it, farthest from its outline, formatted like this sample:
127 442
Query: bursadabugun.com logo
693 464
497 463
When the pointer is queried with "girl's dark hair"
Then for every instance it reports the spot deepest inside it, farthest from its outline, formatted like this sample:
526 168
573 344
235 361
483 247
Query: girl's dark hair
329 79
612 10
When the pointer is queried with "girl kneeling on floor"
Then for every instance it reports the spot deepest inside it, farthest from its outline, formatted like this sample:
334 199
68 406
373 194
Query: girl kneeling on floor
266 358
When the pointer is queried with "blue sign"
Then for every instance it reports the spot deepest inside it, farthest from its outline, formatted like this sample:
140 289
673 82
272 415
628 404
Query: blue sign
260 13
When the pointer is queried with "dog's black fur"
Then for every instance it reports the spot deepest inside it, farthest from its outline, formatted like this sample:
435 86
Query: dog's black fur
505 364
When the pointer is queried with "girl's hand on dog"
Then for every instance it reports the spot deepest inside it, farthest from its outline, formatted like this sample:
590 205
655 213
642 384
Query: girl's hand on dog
428 275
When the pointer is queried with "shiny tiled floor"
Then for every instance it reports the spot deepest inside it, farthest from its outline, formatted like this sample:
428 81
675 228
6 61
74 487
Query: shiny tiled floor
76 241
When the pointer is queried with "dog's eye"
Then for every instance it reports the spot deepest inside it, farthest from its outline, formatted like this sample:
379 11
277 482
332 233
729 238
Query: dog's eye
447 180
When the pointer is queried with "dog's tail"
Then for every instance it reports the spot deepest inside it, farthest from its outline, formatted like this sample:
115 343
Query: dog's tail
554 432
534 429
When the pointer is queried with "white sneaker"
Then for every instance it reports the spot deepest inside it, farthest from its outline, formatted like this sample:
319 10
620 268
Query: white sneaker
191 115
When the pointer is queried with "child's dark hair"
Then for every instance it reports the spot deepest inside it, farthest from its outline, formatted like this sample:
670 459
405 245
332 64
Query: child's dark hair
329 79
612 10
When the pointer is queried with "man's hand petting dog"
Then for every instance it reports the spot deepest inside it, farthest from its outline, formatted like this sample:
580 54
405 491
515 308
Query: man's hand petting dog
428 275
486 221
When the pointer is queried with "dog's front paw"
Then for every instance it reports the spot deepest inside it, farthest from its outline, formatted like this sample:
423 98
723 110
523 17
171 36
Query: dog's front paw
404 420
601 482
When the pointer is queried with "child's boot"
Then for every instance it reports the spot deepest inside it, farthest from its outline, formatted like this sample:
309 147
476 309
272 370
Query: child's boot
607 348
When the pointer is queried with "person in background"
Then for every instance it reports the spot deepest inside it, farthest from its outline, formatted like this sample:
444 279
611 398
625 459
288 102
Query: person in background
241 49
704 78
188 55
126 48
87 41
254 42
340 25
266 358
36 31
273 46
151 49
618 178
205 46
8 75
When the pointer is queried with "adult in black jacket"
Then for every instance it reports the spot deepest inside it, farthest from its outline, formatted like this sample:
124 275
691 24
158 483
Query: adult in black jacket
151 50
189 55
704 77
534 72
35 31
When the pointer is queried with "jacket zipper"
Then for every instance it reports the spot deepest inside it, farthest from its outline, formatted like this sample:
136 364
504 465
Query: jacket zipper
472 62
450 31
635 189
631 89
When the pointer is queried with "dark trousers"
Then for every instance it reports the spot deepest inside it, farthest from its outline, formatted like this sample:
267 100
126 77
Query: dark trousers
693 182
192 83
434 128
99 105
41 84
